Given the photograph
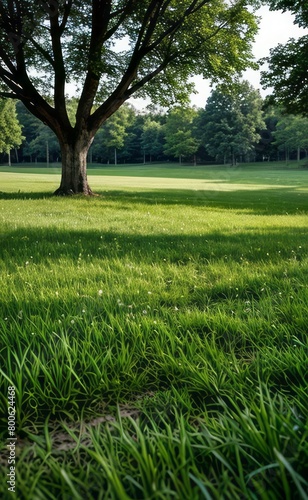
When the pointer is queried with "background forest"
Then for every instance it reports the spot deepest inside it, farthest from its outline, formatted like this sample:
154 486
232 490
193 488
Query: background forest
236 125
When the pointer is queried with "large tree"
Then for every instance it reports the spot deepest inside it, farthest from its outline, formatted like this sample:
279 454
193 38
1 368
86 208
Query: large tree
152 139
113 49
287 73
230 125
291 134
179 137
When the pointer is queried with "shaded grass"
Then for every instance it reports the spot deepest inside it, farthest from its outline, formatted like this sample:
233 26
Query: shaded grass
157 341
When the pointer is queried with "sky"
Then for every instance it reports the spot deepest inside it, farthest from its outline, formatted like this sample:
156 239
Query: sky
274 28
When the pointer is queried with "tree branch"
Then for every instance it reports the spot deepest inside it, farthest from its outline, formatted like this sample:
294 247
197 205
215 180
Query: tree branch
26 92
123 92
42 51
123 14
67 10
8 95
6 60
59 69
192 9
101 10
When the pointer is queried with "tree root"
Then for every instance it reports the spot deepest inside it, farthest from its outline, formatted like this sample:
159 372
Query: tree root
69 192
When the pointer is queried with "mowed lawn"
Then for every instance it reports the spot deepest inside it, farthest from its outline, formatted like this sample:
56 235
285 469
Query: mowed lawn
156 335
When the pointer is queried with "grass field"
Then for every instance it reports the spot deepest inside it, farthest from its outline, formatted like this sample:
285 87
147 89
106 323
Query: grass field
156 335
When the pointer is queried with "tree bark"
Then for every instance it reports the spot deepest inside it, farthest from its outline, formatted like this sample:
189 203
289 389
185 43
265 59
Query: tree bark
74 168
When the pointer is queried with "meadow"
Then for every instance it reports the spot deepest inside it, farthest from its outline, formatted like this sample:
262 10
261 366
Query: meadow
156 335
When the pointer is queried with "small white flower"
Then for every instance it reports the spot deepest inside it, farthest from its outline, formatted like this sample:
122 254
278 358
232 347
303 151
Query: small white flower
72 321
100 292
27 263
144 311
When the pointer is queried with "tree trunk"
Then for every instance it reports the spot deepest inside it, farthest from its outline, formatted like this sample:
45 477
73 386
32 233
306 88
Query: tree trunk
47 154
74 168
233 160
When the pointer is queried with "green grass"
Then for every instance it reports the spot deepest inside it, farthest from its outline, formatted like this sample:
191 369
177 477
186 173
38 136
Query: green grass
156 335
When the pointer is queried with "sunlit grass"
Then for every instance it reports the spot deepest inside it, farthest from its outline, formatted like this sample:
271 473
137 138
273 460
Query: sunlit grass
157 340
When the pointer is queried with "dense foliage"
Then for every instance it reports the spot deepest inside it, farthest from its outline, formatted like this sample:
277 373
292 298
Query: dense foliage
10 129
233 127
231 122
287 73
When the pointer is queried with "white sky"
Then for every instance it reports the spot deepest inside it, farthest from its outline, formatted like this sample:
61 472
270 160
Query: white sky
274 28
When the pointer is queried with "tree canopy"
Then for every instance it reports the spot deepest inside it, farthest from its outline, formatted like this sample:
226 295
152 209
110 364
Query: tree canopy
291 134
10 129
287 72
232 120
179 136
114 49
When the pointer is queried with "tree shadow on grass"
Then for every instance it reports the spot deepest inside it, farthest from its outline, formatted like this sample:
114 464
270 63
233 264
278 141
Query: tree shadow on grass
272 244
19 195
271 201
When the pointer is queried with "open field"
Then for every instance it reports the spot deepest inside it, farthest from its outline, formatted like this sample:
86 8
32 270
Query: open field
156 336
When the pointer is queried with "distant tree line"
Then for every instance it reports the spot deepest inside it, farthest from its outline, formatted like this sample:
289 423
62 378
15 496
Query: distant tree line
235 126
